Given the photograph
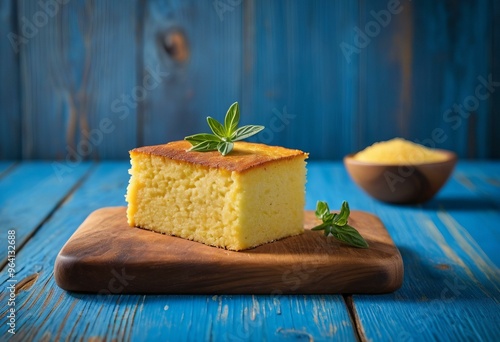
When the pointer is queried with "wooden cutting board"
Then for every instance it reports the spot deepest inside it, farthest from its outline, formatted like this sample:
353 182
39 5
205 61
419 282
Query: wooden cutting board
106 256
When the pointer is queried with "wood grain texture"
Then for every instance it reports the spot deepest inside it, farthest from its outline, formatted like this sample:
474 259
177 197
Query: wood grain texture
305 264
482 179
78 71
494 118
476 189
10 95
296 80
449 290
155 69
46 311
384 41
29 194
429 58
449 247
6 167
204 84
452 51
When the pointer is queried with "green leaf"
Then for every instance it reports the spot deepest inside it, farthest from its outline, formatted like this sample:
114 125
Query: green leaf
329 217
225 147
232 119
205 146
336 225
321 226
196 139
246 132
328 230
349 235
216 127
224 136
341 218
321 209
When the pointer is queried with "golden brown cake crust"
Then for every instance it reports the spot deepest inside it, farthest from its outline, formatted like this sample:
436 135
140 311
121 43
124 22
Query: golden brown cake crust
244 156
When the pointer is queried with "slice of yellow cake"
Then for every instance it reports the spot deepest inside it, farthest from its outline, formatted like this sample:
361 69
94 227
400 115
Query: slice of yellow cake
251 196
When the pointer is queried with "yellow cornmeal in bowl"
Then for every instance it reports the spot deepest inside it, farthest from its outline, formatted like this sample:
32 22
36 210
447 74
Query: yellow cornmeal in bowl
399 151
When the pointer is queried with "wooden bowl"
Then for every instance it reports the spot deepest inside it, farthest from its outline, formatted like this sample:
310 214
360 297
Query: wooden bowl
401 184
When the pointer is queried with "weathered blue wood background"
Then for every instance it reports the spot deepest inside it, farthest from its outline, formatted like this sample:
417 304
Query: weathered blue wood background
93 79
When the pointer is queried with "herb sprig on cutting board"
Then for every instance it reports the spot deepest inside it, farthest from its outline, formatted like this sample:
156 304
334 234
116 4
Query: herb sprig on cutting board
337 225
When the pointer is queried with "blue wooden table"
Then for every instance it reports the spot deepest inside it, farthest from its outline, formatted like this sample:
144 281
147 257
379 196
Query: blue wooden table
449 247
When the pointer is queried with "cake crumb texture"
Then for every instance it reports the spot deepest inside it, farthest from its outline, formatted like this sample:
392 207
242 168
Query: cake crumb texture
256 195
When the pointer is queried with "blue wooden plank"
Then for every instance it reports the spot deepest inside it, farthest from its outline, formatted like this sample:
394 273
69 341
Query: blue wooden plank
443 275
79 83
470 196
383 38
45 311
206 82
105 186
471 199
419 67
245 318
327 77
469 209
460 48
329 181
481 177
10 96
450 289
5 167
297 82
477 186
442 298
494 123
29 194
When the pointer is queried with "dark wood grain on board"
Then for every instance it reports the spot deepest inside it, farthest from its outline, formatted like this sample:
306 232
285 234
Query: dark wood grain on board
105 247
